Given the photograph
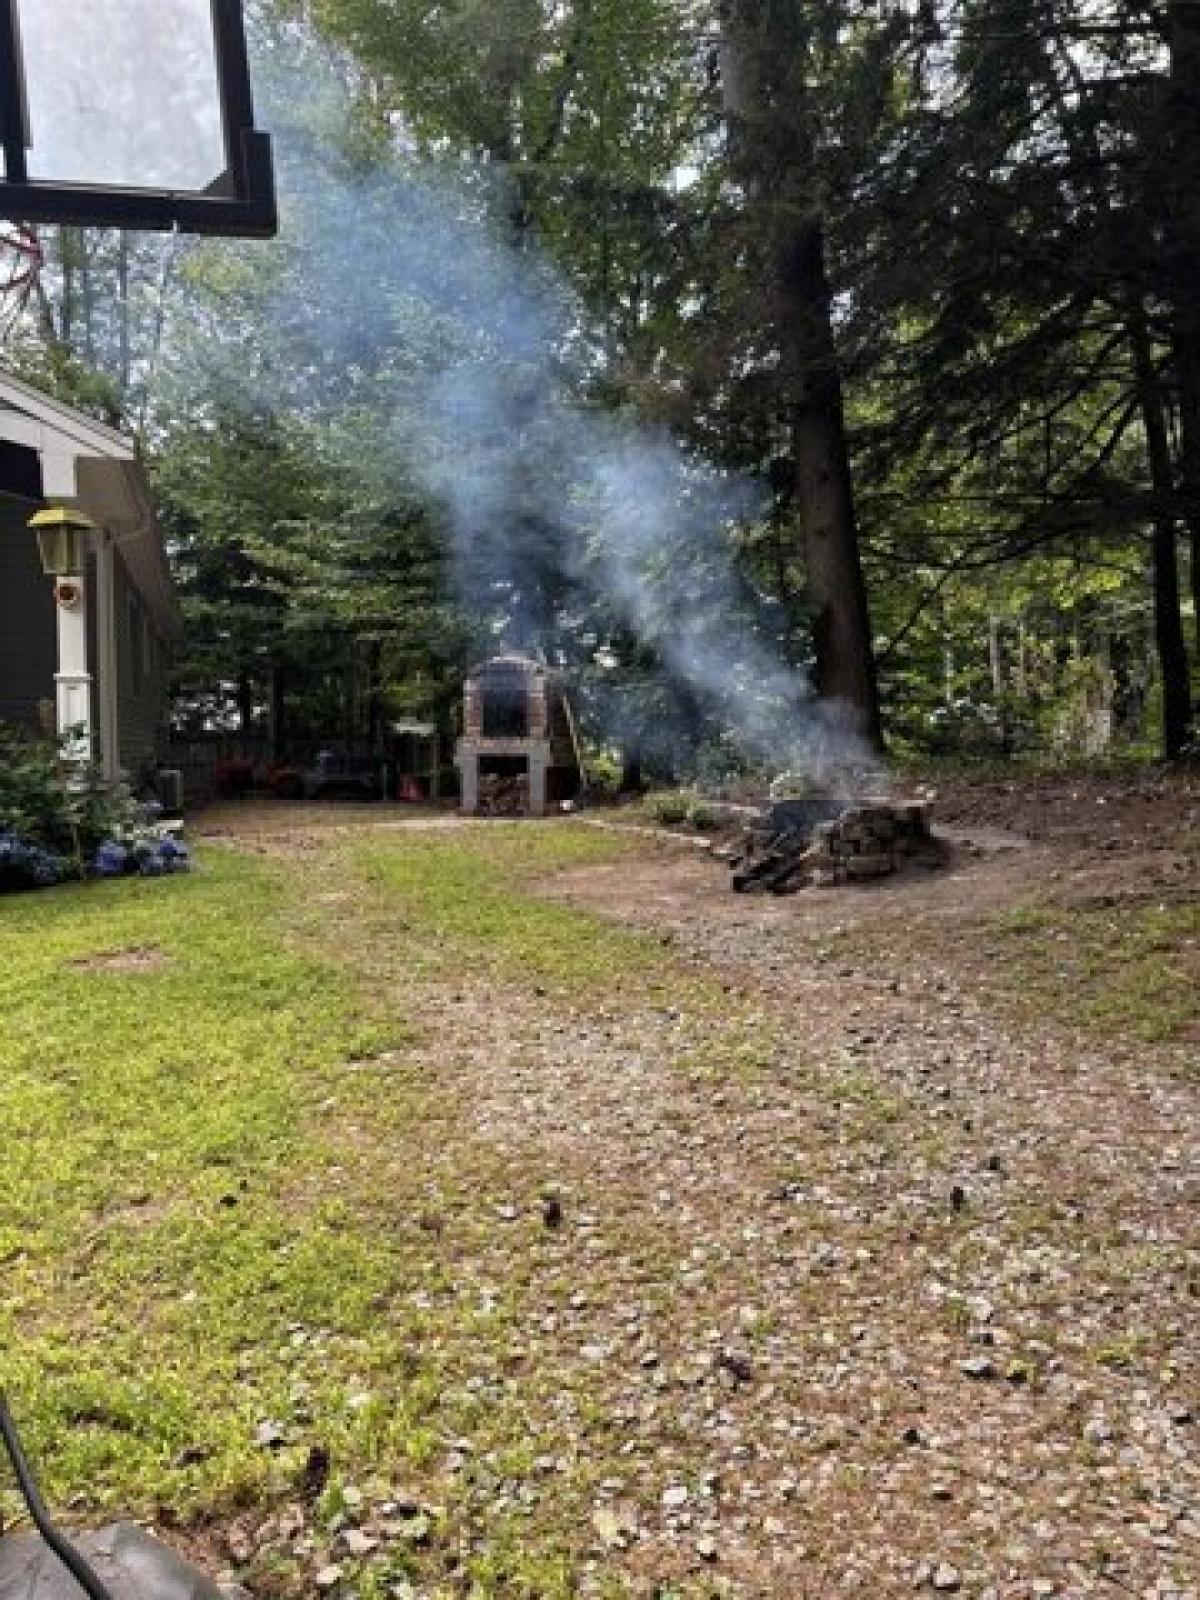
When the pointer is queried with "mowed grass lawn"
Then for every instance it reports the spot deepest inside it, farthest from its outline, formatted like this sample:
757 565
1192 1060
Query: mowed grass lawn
164 1049
272 1277
207 1267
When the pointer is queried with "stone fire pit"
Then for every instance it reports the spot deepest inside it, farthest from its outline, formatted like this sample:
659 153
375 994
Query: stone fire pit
809 843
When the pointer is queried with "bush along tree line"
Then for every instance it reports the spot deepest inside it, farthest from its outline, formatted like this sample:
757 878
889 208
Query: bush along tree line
927 270
59 824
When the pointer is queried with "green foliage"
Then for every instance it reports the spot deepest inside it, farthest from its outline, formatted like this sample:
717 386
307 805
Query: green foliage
603 773
40 806
669 807
701 816
997 431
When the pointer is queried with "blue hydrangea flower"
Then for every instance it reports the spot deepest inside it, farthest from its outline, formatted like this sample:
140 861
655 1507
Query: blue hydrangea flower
111 860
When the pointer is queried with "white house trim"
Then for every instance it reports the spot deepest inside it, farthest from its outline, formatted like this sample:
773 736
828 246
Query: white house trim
98 469
72 431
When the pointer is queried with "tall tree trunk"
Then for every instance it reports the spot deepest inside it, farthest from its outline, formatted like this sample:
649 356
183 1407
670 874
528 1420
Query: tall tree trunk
124 357
375 694
66 257
1022 681
87 299
245 704
278 713
1168 621
764 59
995 655
837 590
1183 281
350 694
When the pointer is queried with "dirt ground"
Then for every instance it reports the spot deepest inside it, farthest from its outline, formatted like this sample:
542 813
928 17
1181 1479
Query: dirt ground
923 1312
1079 841
263 818
1031 1453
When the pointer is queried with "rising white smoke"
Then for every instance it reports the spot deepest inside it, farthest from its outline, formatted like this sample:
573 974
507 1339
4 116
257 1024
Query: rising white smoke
474 350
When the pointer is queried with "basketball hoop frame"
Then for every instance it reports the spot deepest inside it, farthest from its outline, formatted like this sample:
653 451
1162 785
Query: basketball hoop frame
240 203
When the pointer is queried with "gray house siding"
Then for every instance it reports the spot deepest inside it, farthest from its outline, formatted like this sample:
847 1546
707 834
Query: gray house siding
89 581
28 623
29 645
141 676
52 453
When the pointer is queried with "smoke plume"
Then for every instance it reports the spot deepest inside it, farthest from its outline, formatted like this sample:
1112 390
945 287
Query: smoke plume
472 355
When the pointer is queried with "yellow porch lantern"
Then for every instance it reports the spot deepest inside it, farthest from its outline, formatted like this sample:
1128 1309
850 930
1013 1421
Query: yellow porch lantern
60 536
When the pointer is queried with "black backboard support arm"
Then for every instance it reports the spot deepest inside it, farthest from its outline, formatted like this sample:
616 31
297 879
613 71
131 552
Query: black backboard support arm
13 127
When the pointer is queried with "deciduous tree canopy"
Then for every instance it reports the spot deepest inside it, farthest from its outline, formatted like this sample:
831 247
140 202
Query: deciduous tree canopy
927 272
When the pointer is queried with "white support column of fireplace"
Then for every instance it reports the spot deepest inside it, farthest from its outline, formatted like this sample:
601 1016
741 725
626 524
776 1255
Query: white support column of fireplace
468 768
72 681
539 762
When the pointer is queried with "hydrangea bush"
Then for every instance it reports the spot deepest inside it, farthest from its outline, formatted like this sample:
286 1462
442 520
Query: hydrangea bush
52 830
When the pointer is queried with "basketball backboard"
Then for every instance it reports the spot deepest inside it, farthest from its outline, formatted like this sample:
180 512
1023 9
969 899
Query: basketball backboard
131 114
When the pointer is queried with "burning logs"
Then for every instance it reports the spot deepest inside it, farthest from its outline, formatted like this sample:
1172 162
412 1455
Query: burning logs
790 850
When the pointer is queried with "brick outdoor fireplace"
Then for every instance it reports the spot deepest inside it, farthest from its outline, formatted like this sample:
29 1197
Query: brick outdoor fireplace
518 751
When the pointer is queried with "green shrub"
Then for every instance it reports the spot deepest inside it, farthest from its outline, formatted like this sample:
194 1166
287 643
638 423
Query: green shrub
603 774
702 816
669 807
39 807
